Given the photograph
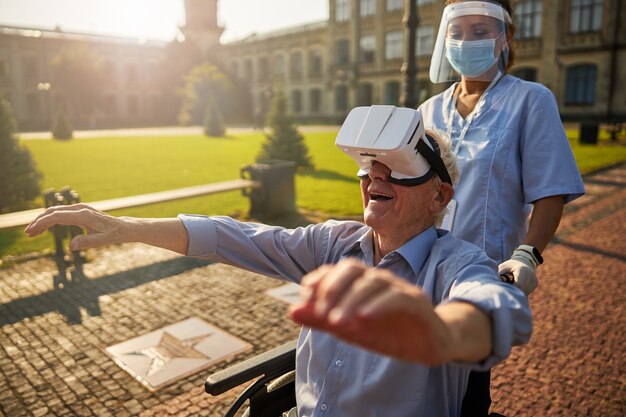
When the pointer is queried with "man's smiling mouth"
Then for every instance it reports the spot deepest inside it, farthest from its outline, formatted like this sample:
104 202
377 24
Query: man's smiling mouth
377 196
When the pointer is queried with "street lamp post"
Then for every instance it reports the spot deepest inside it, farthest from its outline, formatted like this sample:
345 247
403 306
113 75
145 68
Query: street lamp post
45 88
409 67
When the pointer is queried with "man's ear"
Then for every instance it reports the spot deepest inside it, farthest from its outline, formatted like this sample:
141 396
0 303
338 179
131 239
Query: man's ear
442 198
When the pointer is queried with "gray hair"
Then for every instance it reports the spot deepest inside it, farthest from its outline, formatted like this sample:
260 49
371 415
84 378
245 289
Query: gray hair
449 160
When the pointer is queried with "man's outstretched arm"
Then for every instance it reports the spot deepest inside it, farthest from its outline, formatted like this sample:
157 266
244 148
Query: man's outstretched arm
377 310
103 229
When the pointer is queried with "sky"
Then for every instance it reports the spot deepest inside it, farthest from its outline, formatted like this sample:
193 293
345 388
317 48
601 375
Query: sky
157 19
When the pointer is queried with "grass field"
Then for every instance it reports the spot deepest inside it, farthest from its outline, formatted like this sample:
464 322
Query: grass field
104 168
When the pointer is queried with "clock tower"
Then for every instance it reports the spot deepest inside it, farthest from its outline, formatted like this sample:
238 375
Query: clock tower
201 25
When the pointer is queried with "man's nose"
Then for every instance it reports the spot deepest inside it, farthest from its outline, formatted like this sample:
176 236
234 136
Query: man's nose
379 171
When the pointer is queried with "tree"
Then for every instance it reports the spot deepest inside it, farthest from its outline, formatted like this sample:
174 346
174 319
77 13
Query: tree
213 122
61 127
204 82
284 142
19 178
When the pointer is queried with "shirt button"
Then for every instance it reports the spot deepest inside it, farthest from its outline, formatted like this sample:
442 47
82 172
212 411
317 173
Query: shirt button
324 407
338 363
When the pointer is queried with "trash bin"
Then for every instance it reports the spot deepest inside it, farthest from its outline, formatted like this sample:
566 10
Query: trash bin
276 196
588 133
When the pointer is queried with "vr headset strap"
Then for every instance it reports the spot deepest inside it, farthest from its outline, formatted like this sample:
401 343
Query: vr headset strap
433 158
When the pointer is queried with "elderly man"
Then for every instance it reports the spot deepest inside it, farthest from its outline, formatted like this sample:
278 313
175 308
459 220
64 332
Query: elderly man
431 306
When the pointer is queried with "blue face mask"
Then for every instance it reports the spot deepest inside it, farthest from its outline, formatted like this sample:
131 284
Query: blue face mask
470 58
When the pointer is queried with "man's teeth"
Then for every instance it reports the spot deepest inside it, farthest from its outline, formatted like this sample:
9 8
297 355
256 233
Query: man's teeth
379 196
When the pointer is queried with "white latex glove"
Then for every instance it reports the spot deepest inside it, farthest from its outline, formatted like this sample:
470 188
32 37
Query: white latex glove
522 266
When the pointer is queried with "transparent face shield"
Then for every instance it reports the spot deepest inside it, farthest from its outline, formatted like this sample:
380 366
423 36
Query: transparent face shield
471 42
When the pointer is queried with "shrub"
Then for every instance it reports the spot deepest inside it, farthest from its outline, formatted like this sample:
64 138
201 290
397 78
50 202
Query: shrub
213 121
61 127
19 178
284 142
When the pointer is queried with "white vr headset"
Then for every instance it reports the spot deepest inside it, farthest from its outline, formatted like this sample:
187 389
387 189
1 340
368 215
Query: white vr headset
393 136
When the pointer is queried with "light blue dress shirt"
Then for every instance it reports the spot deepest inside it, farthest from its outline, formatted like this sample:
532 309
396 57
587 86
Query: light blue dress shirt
515 152
334 378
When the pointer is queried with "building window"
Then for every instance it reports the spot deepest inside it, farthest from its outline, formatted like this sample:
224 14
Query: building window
315 100
33 105
296 101
365 94
393 45
315 63
234 68
108 104
581 85
30 71
424 40
131 74
528 74
342 10
3 68
279 66
341 98
342 47
133 105
392 93
528 19
367 49
155 105
393 5
368 8
585 16
423 90
296 65
264 68
424 2
247 70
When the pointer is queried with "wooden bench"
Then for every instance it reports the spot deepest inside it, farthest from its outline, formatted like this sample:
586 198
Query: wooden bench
22 218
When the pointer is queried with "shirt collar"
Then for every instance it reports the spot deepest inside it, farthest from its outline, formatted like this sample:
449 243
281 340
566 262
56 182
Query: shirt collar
416 250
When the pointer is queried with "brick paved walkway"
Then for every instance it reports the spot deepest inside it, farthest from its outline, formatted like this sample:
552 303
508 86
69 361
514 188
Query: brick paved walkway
52 359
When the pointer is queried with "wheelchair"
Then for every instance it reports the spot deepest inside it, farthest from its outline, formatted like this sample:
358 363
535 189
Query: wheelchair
270 395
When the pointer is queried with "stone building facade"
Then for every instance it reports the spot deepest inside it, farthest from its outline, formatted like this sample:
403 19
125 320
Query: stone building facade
575 47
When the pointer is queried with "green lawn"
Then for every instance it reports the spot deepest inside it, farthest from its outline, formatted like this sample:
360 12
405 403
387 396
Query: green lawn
105 168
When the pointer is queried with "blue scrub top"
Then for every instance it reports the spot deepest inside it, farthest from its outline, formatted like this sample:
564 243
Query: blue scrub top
514 153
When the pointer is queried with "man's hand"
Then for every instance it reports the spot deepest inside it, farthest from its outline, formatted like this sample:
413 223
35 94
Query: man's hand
375 309
102 229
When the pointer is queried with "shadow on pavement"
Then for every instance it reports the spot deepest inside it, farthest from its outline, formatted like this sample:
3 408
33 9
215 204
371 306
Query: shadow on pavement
591 249
84 292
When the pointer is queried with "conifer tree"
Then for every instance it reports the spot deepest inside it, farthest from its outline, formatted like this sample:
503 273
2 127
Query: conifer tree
284 142
213 121
19 178
61 127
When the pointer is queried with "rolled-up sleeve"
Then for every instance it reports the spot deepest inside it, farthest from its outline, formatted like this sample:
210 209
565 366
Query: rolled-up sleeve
506 305
202 235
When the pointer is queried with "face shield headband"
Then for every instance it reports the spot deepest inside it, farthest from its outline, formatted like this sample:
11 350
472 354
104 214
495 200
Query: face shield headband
470 49
394 137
